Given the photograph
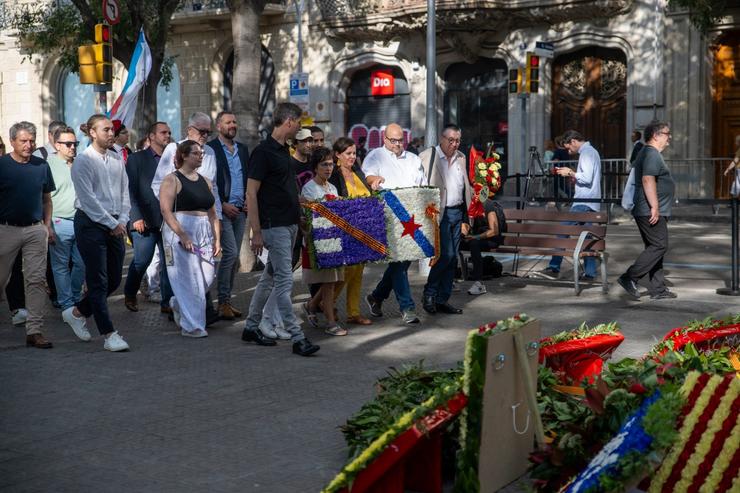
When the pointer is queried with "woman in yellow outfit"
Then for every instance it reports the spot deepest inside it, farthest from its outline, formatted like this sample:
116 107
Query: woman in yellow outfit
350 182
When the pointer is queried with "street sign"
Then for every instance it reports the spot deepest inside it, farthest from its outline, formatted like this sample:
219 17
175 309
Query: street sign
111 11
544 49
299 93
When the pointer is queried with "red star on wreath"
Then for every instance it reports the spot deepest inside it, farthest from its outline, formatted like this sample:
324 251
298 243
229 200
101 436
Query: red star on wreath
409 227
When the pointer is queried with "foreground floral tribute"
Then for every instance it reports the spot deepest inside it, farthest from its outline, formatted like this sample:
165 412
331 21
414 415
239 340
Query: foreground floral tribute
672 417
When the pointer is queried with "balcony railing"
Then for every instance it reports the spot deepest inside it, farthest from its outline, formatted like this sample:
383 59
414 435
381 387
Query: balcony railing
221 7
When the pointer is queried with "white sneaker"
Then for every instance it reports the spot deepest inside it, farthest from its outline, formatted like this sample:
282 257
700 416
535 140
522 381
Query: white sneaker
175 312
79 325
477 288
266 329
20 316
282 334
197 333
115 342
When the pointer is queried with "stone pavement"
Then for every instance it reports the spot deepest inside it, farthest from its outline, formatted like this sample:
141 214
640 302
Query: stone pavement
218 415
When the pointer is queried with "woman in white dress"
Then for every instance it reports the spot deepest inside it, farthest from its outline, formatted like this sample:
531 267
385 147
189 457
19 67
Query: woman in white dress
317 189
192 238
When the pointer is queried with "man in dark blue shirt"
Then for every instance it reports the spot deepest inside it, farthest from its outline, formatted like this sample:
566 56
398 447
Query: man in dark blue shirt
26 184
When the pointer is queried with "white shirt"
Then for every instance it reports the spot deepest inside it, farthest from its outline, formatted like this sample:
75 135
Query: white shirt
313 191
207 169
454 177
399 171
101 186
588 176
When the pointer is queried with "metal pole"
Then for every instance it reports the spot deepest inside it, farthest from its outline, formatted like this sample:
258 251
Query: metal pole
523 115
733 289
430 136
103 101
298 18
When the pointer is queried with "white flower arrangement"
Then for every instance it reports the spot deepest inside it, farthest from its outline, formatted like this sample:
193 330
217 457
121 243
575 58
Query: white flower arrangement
410 227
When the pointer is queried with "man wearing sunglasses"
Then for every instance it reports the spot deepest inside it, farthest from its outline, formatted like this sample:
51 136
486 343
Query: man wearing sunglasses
68 282
198 129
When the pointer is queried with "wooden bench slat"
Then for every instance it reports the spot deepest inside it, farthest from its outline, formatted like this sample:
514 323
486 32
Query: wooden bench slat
550 242
538 214
553 229
544 251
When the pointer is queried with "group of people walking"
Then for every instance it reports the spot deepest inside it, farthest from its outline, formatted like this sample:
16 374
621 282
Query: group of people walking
184 207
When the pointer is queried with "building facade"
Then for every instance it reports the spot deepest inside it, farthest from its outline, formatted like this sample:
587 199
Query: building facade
617 65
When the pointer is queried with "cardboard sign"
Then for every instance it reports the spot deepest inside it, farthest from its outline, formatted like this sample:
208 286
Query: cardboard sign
382 83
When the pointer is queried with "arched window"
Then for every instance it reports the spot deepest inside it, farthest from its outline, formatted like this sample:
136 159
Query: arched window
78 104
377 96
168 104
476 101
267 89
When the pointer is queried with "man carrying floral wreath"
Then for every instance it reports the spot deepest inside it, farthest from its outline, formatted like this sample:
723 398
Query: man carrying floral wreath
445 167
386 168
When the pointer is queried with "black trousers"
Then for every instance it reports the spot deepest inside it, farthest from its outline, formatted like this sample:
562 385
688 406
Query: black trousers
103 256
650 261
15 292
476 248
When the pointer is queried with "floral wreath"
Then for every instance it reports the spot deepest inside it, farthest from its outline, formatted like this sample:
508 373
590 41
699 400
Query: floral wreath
484 172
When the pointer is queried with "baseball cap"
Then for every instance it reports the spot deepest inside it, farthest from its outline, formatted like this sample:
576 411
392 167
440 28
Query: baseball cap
303 134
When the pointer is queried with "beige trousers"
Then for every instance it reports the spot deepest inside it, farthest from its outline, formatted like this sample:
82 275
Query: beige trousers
34 242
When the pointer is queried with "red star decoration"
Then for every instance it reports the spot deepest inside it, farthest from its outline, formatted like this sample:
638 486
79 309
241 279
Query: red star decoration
409 227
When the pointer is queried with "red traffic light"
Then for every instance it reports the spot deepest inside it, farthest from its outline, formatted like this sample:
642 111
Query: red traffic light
102 33
534 61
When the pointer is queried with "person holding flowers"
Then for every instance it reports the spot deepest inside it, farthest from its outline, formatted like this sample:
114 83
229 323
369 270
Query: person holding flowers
350 182
317 189
445 168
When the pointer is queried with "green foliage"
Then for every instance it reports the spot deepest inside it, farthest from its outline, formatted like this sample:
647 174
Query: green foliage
704 14
582 332
401 391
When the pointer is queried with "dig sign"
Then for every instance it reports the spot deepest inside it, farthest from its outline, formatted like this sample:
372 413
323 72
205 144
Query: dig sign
382 83
111 11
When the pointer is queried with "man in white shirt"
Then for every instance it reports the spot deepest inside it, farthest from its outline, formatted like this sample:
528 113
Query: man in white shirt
390 167
588 186
199 128
445 167
103 206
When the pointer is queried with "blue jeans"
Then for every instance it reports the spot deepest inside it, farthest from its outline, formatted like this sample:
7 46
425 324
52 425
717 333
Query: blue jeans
232 232
277 276
144 245
589 263
68 282
439 282
395 278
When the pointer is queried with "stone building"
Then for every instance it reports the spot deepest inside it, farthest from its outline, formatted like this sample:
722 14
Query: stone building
617 65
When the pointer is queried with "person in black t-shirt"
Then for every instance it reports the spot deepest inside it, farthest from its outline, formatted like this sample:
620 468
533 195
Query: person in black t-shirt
485 234
654 193
274 211
26 184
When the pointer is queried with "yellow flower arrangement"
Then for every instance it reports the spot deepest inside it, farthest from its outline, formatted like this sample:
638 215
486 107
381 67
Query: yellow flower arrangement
723 459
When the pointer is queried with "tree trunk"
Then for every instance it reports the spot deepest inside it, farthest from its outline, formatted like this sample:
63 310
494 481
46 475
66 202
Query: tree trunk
245 92
147 111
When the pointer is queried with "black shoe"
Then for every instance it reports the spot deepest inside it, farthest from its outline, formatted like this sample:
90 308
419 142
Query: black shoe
629 286
212 318
429 305
258 338
304 348
376 307
447 308
664 295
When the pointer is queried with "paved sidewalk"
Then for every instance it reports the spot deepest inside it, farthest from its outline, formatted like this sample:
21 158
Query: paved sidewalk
218 415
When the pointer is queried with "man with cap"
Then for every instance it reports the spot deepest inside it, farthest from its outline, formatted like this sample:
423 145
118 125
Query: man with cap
304 146
120 141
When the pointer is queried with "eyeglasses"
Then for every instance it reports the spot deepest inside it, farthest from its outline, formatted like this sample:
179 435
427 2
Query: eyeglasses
667 132
202 131
394 141
327 164
452 141
69 144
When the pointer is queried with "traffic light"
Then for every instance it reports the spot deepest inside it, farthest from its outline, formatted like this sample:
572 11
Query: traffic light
96 61
515 80
533 73
103 54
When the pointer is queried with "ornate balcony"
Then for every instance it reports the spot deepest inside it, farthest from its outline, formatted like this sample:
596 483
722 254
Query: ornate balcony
385 19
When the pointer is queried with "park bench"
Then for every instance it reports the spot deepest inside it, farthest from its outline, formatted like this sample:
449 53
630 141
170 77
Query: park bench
536 231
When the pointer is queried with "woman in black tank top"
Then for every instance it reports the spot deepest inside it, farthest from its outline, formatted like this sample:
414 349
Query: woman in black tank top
191 236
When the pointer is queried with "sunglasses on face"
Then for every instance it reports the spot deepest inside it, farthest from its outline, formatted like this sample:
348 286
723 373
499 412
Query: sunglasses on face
70 143
203 131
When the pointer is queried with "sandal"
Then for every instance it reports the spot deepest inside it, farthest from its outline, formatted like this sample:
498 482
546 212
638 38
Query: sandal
311 317
336 330
359 320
